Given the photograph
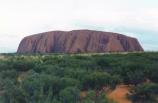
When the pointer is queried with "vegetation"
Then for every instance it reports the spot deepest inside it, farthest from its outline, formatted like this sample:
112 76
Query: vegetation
60 78
146 93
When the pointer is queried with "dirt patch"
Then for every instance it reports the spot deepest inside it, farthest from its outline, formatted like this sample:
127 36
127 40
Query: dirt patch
119 94
83 94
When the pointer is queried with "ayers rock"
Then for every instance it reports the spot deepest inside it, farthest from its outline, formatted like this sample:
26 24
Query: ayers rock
78 41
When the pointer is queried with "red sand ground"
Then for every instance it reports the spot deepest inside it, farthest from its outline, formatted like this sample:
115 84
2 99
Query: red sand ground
119 94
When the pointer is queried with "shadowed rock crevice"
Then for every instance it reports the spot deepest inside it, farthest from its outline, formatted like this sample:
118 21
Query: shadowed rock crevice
78 41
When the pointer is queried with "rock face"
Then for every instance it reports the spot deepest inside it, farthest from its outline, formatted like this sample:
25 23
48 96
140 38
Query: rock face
78 41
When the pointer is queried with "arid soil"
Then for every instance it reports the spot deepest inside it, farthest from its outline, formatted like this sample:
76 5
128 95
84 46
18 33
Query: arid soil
119 94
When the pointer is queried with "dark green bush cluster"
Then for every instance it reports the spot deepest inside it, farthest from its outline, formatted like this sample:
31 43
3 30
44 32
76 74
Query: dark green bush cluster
145 93
59 78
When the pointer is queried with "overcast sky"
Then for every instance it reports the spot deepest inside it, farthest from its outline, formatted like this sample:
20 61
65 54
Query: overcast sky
19 18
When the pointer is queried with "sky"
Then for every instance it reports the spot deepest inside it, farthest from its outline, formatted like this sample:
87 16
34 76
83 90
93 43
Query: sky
20 18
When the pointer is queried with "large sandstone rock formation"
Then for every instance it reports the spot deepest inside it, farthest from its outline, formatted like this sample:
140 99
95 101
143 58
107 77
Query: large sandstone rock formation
78 41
